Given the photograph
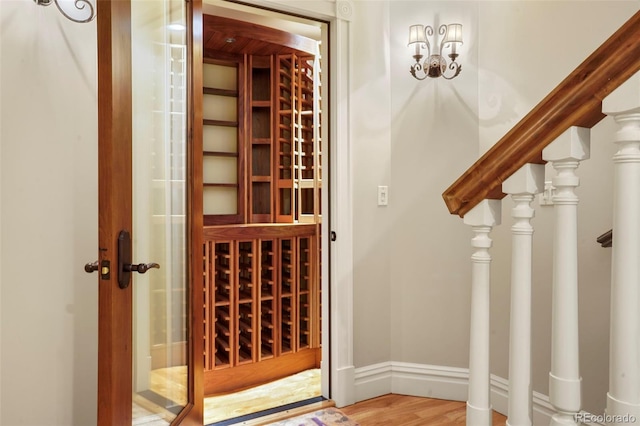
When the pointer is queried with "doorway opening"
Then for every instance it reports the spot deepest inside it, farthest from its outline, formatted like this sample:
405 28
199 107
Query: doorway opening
262 168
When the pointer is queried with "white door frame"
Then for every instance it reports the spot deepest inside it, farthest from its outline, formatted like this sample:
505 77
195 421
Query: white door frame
339 267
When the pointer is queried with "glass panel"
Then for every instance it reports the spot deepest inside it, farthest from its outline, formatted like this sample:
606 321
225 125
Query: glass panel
159 59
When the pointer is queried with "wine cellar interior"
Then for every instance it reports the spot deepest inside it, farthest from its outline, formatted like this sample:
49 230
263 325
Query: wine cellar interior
262 181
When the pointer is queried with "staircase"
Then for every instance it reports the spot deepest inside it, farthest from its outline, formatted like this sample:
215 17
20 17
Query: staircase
557 131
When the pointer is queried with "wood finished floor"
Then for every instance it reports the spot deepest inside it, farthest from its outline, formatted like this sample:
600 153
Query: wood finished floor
392 409
402 410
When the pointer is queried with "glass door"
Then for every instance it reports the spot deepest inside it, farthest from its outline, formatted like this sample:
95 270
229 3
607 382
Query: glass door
150 337
160 228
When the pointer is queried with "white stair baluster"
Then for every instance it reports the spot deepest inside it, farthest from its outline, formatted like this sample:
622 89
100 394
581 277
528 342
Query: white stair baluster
522 186
482 218
623 398
565 154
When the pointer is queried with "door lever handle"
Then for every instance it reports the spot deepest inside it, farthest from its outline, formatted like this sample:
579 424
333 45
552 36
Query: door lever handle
141 268
91 267
125 266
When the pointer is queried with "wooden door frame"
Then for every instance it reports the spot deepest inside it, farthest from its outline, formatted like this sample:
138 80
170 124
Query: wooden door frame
115 209
115 214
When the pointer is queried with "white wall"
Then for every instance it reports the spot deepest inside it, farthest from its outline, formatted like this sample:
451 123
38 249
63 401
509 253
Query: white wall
411 296
418 137
48 177
371 150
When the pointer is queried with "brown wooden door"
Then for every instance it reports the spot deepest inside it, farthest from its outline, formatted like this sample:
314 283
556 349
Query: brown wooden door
148 330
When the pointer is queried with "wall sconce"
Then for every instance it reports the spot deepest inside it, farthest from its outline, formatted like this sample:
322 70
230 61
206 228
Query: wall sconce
435 65
79 5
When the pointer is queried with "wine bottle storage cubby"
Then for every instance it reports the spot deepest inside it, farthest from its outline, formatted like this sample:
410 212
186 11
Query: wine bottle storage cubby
285 113
245 301
267 299
287 294
304 292
223 294
263 291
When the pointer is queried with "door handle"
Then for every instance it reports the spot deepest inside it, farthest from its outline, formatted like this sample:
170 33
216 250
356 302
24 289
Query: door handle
141 268
91 267
97 266
125 267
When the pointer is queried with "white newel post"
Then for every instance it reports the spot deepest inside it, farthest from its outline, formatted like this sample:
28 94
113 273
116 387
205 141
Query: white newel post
482 218
565 154
623 398
523 185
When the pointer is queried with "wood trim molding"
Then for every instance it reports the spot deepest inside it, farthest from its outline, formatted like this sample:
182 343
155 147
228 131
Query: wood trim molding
114 206
576 101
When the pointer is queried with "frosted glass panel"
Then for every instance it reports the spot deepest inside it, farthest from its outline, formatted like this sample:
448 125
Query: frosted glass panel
220 139
220 108
220 77
220 200
220 170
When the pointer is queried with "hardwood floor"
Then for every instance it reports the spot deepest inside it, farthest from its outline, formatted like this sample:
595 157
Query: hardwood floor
402 410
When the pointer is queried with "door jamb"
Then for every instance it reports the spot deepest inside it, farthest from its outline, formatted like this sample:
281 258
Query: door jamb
337 255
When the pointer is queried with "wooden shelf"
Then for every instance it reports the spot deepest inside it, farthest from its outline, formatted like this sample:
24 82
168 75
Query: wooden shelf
220 92
221 185
223 123
220 154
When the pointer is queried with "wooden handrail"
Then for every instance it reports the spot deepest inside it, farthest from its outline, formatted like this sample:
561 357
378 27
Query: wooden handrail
606 239
576 101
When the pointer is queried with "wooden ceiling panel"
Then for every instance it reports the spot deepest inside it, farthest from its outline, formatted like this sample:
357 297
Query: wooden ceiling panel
237 37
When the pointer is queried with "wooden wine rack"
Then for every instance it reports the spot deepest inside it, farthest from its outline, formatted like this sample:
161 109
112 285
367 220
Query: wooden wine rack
262 303
261 200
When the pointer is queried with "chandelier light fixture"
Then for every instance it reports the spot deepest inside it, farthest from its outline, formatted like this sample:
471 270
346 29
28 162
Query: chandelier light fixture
435 65
88 12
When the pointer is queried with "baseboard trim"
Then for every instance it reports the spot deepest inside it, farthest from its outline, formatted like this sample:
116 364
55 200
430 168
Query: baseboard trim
373 380
439 382
342 386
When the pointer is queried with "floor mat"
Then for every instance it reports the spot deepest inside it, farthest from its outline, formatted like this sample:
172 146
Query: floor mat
325 417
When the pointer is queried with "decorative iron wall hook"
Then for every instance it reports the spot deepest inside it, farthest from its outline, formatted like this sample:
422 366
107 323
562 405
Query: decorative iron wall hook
79 5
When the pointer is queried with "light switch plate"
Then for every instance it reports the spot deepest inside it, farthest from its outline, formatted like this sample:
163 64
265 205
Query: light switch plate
383 195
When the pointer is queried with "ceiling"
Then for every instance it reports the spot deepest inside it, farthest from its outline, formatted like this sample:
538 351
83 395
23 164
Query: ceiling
238 29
